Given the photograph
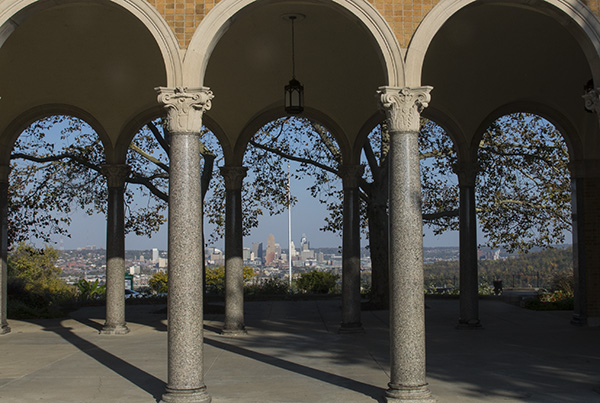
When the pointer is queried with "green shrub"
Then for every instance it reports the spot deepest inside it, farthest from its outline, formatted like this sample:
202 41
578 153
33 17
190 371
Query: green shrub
317 282
553 301
270 286
90 290
159 282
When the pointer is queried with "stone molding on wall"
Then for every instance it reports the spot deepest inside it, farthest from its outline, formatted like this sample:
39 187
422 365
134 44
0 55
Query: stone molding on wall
403 107
185 107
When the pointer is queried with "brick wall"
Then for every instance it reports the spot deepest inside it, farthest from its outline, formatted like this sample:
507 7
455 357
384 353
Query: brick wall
183 16
403 16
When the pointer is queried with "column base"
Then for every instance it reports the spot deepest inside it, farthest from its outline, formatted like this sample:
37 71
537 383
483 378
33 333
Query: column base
199 395
4 329
472 324
409 394
111 329
349 328
232 332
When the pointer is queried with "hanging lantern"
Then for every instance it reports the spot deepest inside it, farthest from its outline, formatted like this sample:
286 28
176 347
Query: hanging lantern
294 91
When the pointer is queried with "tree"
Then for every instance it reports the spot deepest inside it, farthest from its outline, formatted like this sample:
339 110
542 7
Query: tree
522 189
159 282
33 280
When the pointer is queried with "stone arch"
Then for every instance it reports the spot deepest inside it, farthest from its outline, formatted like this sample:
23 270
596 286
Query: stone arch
18 125
578 19
446 122
559 120
15 12
274 113
134 125
221 16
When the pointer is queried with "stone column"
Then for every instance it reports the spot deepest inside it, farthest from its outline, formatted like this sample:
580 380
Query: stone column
469 282
185 108
351 323
116 174
234 264
4 172
403 107
585 199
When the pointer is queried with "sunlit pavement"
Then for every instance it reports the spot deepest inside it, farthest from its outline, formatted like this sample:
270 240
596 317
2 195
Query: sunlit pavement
293 353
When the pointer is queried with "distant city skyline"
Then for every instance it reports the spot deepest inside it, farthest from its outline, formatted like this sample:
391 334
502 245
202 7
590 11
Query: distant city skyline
81 236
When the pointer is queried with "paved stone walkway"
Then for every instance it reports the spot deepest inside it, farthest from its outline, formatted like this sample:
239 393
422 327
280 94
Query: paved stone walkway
293 354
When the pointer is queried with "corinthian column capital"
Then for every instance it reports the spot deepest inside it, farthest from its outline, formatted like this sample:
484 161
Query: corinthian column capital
403 106
351 175
185 107
116 174
592 100
233 176
466 172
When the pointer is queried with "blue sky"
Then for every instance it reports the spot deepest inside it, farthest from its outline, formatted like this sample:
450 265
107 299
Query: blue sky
307 218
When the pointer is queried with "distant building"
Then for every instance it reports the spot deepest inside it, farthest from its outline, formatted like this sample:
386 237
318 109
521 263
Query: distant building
246 254
257 251
270 257
155 255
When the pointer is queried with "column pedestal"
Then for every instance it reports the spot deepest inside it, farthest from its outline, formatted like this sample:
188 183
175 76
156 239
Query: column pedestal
115 250
234 263
469 279
4 172
185 383
407 299
351 322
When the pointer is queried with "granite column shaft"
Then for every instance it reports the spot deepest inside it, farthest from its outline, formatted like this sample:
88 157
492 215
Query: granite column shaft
234 264
407 303
351 321
185 381
116 174
469 283
4 173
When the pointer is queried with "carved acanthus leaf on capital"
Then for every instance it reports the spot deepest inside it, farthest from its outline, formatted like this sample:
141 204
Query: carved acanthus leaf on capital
351 175
116 174
234 176
403 106
592 100
466 172
185 107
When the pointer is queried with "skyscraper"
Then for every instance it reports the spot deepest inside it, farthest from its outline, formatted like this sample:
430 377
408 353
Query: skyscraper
270 249
257 250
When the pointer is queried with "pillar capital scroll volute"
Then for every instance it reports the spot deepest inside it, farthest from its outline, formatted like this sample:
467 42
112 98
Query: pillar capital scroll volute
592 100
403 107
351 175
233 176
185 107
116 174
